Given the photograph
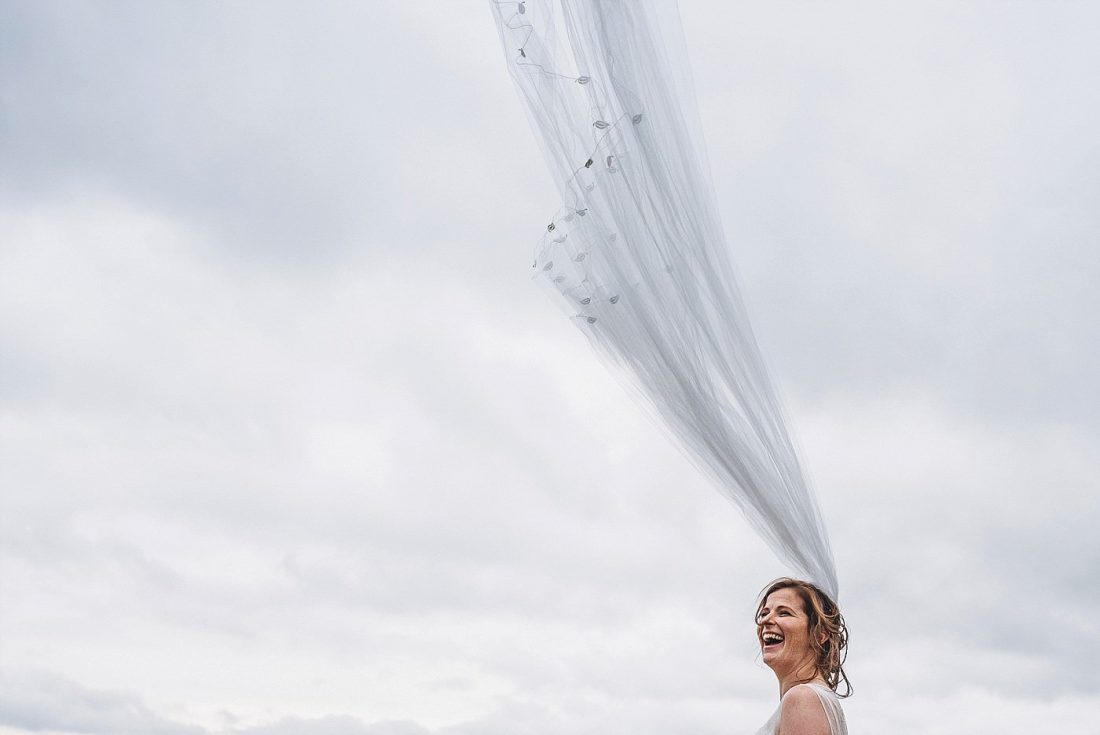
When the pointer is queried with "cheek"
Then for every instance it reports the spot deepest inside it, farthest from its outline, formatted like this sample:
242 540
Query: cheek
797 632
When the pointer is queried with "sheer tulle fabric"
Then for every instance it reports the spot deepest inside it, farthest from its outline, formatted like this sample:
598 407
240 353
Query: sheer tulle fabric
637 256
829 702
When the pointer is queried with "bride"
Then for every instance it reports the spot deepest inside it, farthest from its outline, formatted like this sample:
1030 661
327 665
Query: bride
803 639
637 258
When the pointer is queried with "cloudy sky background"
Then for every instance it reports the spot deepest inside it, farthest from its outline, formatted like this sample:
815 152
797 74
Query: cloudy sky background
289 442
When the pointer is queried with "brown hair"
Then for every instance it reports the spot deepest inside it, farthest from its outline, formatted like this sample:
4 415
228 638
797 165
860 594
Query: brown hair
825 618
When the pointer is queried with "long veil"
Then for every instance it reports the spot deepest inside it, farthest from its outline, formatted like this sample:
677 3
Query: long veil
637 256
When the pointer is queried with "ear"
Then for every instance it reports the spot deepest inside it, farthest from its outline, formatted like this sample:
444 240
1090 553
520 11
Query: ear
822 636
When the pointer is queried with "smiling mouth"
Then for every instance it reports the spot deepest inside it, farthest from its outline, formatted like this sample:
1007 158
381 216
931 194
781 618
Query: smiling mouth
771 640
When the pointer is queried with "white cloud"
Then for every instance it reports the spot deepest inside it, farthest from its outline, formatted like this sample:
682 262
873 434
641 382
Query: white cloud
335 725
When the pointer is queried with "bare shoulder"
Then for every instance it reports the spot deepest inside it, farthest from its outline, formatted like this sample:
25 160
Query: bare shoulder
803 713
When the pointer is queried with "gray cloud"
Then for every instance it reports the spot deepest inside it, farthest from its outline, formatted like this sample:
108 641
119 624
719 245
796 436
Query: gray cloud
39 701
276 129
279 406
909 212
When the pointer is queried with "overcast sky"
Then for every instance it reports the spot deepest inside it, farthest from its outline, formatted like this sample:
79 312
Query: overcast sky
290 443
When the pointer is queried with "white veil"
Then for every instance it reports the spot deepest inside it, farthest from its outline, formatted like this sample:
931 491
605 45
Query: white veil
637 256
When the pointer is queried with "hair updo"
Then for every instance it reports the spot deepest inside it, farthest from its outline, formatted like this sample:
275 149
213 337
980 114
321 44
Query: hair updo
826 623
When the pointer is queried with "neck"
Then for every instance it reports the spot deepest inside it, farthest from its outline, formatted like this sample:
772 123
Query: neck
804 674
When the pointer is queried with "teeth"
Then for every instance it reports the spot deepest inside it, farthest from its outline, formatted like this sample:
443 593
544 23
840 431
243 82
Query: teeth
770 638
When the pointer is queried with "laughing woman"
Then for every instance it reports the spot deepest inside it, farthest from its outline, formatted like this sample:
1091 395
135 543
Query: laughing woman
803 639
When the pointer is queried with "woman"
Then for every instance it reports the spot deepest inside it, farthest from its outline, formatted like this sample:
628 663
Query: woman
803 639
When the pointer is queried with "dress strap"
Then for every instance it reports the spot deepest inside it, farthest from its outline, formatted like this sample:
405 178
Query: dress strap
830 702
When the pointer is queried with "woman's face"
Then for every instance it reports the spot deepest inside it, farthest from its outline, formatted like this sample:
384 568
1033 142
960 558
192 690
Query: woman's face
783 631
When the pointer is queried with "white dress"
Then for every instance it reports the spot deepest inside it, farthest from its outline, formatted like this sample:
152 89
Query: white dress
829 702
